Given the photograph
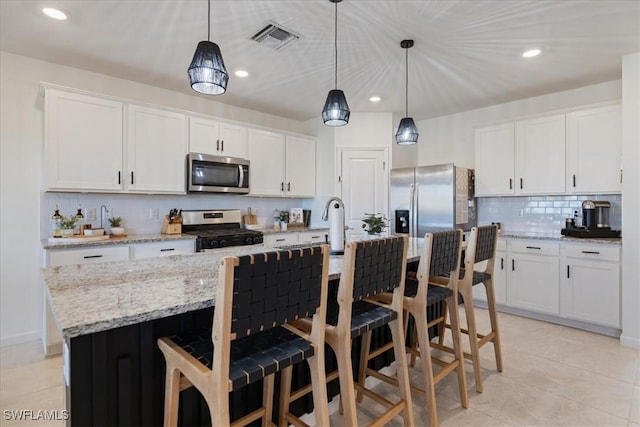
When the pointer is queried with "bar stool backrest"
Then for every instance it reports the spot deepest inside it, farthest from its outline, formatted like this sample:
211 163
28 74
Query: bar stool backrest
485 242
378 266
441 257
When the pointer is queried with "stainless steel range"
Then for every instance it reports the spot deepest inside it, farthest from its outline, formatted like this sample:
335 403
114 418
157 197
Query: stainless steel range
218 229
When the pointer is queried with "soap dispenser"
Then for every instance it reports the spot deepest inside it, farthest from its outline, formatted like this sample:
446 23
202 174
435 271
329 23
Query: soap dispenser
78 226
56 223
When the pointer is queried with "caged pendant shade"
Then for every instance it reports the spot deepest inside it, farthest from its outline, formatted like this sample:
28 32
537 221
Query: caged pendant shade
207 72
407 133
336 110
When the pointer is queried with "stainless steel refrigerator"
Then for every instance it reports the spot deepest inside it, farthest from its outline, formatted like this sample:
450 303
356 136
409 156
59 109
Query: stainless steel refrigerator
431 198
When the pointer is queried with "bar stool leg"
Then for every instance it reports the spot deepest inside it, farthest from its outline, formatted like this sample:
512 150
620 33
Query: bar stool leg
467 296
267 400
171 396
364 359
493 316
420 319
285 395
402 371
319 387
457 349
345 376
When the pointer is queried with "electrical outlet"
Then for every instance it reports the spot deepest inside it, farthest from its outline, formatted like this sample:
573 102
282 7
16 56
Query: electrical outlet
91 214
153 213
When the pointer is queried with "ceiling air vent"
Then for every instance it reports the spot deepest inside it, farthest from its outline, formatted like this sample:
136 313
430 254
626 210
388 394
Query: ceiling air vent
274 36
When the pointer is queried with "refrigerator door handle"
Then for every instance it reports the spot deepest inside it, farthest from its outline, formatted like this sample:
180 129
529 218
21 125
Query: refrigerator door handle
411 213
415 210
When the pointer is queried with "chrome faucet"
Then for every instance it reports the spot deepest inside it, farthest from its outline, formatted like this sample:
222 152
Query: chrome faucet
325 213
103 212
336 226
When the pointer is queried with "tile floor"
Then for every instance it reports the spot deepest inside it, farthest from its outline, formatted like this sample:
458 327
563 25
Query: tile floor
553 375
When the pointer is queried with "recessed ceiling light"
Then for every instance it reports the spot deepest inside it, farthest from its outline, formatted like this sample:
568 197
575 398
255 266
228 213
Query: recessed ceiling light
531 53
242 73
54 13
375 99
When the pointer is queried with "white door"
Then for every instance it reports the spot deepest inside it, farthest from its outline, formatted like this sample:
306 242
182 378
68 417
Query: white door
364 180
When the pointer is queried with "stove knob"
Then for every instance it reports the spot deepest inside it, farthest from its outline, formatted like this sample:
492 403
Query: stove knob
248 240
213 243
257 240
223 243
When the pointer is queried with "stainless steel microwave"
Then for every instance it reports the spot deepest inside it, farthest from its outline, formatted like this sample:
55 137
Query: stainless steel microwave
217 174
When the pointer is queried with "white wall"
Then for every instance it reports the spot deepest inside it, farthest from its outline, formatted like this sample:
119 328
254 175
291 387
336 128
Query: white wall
449 139
631 200
21 147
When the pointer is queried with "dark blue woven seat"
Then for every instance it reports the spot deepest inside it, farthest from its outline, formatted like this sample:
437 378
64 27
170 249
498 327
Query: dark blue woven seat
365 317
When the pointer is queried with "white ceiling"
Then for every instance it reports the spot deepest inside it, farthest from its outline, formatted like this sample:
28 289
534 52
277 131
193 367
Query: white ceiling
466 54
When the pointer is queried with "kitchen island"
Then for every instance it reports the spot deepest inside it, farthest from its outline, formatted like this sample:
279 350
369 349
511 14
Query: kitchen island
110 316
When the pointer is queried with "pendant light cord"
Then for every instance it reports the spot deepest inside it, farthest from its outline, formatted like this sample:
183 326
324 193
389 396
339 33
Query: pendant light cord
406 84
209 21
335 41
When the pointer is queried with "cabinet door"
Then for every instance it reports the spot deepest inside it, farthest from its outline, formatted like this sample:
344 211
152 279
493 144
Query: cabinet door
300 167
499 281
233 140
533 275
83 142
160 249
594 150
266 171
494 160
540 155
204 136
88 255
157 149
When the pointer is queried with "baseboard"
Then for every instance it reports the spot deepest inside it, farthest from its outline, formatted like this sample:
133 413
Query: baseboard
19 339
629 341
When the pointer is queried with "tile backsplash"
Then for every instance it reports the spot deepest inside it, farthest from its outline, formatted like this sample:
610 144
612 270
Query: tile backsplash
543 214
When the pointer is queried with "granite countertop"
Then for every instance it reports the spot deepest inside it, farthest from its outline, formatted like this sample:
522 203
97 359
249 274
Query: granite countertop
557 237
90 298
127 240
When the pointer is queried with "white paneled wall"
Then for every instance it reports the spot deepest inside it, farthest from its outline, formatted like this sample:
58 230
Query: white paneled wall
541 214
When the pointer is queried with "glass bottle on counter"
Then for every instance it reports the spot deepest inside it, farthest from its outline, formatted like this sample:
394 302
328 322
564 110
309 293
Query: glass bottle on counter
56 223
77 227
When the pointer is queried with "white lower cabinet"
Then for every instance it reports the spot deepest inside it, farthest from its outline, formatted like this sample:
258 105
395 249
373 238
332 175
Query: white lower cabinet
590 284
160 249
280 239
533 278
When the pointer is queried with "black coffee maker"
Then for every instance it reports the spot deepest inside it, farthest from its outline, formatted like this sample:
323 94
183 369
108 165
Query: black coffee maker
595 221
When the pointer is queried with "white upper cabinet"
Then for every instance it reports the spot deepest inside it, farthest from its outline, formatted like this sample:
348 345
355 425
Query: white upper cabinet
494 166
83 142
157 149
300 166
540 155
594 150
281 166
217 138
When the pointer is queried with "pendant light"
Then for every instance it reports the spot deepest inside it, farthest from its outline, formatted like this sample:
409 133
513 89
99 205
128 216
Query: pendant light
407 131
336 110
207 73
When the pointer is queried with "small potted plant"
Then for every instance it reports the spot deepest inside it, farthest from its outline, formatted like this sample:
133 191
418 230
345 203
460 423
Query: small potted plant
67 225
116 228
374 224
284 220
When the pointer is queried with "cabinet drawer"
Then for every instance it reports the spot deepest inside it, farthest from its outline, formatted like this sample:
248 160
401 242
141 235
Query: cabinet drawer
311 237
82 256
535 247
600 252
158 249
281 239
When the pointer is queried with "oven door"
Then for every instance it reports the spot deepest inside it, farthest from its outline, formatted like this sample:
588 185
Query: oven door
216 174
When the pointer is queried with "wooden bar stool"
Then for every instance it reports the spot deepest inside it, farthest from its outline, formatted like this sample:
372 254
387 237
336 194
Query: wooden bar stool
440 255
369 296
481 249
256 294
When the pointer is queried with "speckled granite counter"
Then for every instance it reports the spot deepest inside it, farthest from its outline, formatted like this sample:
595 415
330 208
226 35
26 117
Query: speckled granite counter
91 298
557 237
128 240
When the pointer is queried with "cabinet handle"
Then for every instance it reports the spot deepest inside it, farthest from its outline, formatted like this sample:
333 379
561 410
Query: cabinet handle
534 247
521 183
131 177
217 145
510 184
574 180
280 240
288 186
118 177
167 249
568 272
620 176
92 256
282 186
316 237
513 265
501 263
222 145
591 252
